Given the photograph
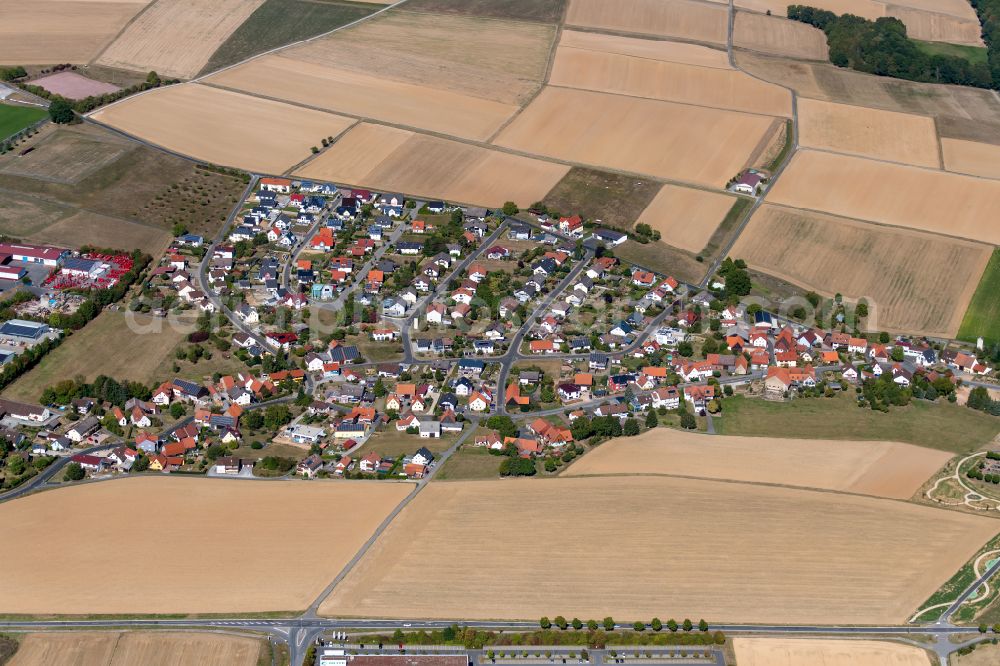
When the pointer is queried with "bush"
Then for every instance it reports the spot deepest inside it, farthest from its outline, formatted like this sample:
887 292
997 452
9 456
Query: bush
74 472
61 112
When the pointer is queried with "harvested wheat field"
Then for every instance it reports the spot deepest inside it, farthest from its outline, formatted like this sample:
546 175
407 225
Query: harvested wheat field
176 38
962 112
794 555
685 19
778 36
882 469
668 81
904 196
198 120
654 49
660 139
390 101
826 652
252 527
936 27
685 217
44 32
391 159
971 157
884 265
166 648
858 130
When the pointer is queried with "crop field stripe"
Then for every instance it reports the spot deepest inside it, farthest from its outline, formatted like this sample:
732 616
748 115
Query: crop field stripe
983 315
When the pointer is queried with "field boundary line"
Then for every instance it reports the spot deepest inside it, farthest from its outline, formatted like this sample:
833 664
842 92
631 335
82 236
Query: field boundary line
895 163
940 145
718 46
93 61
337 137
198 78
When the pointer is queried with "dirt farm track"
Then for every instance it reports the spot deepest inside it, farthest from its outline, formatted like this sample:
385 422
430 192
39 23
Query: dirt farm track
792 556
256 531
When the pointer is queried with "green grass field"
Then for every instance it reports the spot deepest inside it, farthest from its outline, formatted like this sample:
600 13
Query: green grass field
470 463
614 199
941 425
279 22
983 316
974 54
15 118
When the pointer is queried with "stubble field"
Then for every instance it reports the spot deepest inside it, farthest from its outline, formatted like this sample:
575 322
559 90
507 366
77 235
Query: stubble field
686 217
249 526
58 31
971 157
199 120
660 139
778 36
886 266
857 130
892 194
387 158
669 81
176 38
794 555
685 19
828 652
682 52
882 469
146 648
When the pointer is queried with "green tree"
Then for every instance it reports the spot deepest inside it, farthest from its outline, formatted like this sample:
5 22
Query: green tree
652 420
592 625
510 208
577 624
672 624
688 421
560 622
631 428
687 626
544 623
638 625
74 472
702 625
177 410
141 463
61 112
656 624
609 623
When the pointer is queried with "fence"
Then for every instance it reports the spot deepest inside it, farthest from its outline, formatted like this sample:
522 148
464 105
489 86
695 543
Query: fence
8 142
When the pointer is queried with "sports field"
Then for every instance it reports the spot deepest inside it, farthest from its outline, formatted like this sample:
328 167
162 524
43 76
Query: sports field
13 119
634 555
664 80
46 32
971 157
198 120
252 527
857 130
686 217
161 648
175 38
828 652
387 158
778 36
891 194
882 469
686 19
883 265
660 139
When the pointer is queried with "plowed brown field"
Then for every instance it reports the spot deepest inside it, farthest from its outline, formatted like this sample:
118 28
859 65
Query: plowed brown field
250 526
778 36
669 81
795 555
387 158
971 157
224 127
686 217
826 652
661 139
858 130
45 32
687 19
884 265
883 469
176 38
892 194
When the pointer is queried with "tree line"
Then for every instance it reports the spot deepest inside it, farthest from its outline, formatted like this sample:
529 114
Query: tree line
882 47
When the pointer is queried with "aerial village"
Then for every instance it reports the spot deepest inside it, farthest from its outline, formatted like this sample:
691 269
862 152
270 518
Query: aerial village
379 332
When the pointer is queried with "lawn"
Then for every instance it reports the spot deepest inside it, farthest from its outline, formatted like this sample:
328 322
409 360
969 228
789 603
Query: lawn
105 346
470 462
974 54
391 443
610 199
941 426
279 22
13 119
983 316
